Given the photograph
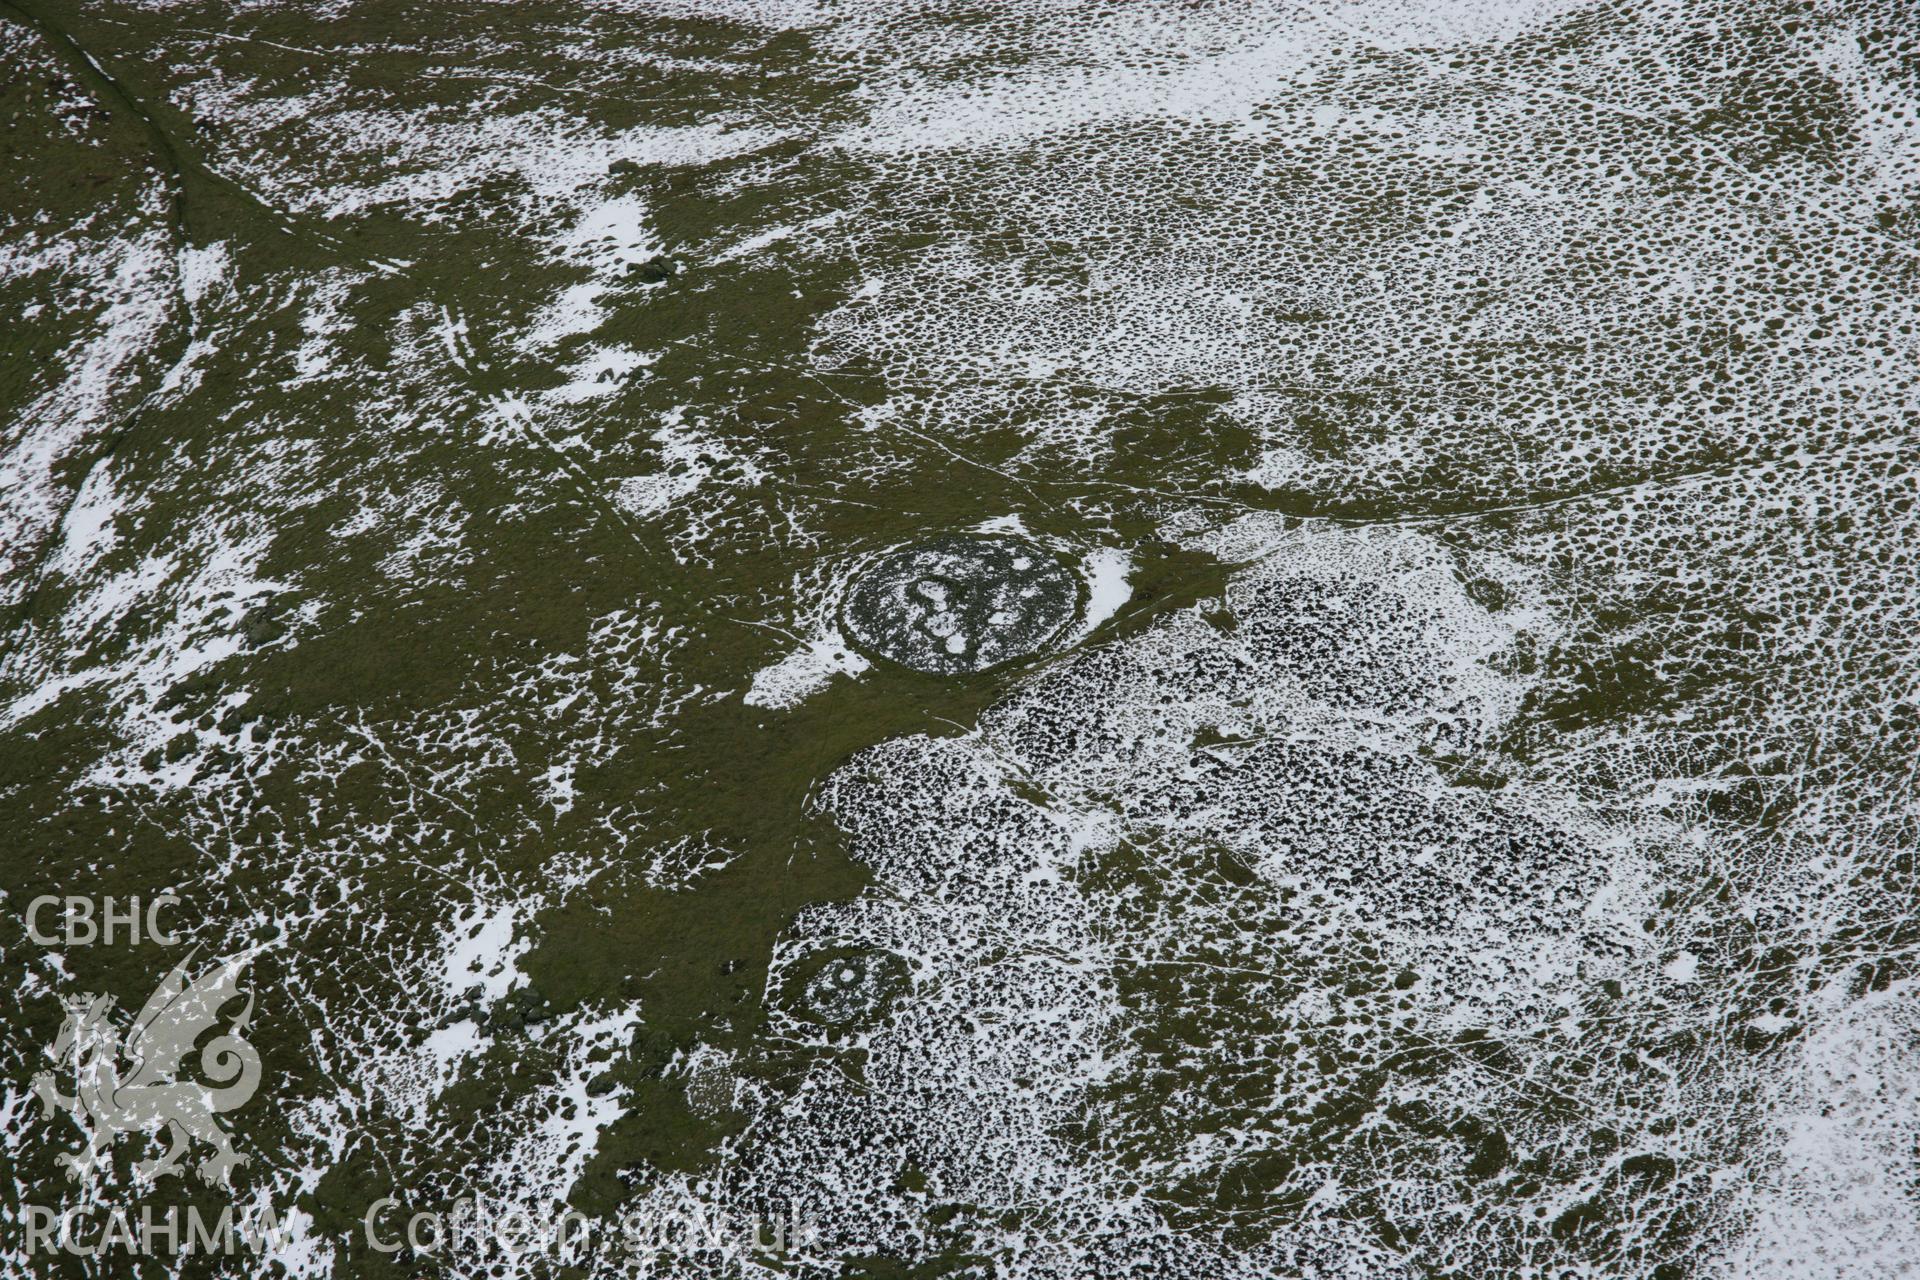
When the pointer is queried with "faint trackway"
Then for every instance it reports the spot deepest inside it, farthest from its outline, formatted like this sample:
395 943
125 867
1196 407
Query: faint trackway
514 413
117 101
1645 487
480 77
194 183
191 185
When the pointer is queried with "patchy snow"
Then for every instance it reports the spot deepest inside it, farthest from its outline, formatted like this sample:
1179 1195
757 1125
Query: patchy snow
1106 570
483 947
805 671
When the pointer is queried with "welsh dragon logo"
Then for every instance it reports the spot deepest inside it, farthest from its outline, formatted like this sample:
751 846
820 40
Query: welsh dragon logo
131 1083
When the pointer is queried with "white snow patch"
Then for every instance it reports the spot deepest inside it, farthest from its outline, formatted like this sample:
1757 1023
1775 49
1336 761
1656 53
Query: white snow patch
88 533
1004 524
203 268
481 950
688 458
600 372
1107 570
804 672
610 235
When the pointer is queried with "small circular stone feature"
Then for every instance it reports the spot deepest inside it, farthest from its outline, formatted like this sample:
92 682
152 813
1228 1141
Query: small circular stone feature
852 986
958 604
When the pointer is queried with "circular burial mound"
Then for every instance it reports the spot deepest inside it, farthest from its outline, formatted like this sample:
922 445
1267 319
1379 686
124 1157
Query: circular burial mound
954 605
